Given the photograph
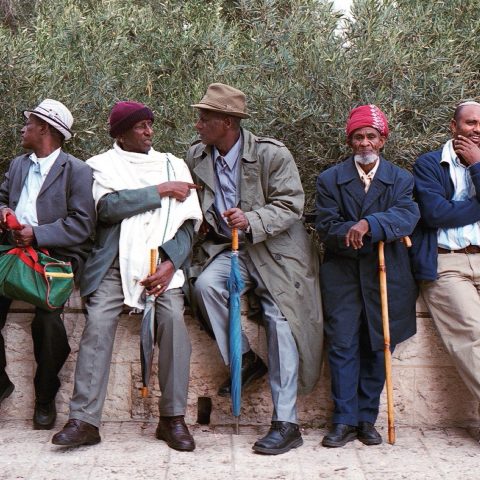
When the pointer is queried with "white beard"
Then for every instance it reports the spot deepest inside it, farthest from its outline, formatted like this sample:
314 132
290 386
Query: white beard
366 158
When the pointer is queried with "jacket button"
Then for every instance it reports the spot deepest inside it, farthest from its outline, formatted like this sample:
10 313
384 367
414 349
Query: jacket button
268 228
297 284
277 256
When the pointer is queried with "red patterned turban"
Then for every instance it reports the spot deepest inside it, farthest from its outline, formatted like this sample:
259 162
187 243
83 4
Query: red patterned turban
367 116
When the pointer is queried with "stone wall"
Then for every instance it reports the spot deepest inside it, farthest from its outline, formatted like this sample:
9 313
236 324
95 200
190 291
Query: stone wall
427 389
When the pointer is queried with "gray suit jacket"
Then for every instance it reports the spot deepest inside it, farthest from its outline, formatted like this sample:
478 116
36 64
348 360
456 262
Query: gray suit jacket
65 206
112 209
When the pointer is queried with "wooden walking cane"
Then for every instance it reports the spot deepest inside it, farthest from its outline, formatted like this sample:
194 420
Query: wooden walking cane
382 273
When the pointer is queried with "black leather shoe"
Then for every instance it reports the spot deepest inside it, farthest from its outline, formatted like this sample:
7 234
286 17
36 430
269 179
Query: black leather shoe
76 433
253 368
44 415
339 435
368 434
282 437
174 431
6 391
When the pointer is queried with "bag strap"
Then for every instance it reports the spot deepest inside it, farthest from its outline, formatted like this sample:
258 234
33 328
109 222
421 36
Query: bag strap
28 256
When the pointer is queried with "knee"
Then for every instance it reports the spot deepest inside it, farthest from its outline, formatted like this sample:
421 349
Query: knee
206 288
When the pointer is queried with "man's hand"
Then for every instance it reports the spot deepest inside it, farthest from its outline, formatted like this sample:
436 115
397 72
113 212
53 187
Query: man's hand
24 237
178 190
236 218
468 151
158 282
3 217
356 233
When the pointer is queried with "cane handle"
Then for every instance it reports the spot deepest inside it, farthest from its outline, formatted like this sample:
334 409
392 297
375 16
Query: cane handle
406 240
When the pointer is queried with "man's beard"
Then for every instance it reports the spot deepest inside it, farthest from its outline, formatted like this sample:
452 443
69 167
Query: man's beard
365 158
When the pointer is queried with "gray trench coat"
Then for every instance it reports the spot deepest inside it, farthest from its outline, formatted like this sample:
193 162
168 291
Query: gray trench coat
272 198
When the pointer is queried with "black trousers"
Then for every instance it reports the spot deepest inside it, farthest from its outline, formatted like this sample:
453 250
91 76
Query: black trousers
50 346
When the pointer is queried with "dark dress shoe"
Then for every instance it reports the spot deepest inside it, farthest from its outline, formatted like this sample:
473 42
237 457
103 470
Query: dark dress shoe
367 434
282 437
339 435
76 433
44 415
6 390
253 368
174 431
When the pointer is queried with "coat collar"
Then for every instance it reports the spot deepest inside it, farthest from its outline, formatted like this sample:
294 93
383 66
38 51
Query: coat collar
348 172
248 167
348 176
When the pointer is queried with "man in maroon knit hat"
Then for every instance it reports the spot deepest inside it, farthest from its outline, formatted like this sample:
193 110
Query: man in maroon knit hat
143 202
361 201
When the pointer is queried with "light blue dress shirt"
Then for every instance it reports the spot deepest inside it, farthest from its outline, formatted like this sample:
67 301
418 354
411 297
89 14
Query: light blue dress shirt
26 211
226 182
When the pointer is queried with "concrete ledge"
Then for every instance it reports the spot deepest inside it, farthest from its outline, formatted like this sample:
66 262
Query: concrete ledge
427 389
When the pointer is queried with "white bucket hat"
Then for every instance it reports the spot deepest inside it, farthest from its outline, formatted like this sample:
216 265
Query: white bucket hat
56 114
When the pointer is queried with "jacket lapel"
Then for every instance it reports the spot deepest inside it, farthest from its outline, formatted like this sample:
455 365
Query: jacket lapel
379 184
249 173
204 171
54 172
352 185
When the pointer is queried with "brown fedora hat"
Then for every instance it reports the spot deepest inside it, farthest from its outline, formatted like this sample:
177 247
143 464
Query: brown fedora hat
225 99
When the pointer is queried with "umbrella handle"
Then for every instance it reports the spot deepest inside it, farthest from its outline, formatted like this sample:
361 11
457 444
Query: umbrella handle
235 239
153 260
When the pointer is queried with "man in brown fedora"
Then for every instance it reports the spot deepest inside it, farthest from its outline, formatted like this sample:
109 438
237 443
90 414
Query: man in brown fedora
252 183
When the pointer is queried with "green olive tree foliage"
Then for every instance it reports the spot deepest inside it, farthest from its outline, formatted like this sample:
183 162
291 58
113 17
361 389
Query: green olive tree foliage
302 65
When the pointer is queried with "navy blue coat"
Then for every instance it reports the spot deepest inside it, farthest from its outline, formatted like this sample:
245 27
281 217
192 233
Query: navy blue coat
349 278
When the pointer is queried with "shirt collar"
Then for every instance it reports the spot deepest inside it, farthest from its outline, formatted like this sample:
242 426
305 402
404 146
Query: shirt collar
451 158
371 173
46 162
232 155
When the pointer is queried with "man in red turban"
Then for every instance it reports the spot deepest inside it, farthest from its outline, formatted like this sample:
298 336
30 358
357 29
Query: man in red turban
362 201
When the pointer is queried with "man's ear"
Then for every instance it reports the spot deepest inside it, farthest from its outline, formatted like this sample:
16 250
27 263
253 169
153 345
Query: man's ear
44 128
453 127
382 141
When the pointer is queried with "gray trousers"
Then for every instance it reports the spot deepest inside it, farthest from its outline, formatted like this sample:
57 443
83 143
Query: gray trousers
104 307
212 298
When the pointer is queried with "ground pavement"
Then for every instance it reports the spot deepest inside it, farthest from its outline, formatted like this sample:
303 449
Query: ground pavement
130 451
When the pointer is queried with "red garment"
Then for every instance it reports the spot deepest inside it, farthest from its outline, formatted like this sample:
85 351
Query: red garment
12 222
367 116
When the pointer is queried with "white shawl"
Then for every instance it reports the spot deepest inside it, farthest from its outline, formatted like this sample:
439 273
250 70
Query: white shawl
116 170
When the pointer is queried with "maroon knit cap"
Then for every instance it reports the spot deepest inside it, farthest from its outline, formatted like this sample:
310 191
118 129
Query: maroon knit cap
125 115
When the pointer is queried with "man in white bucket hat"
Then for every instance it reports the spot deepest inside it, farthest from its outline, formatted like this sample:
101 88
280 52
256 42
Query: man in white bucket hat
50 192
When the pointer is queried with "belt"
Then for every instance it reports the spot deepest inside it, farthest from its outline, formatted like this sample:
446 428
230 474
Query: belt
470 249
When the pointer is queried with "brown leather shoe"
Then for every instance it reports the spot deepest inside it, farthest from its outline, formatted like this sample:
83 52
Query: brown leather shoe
174 431
76 433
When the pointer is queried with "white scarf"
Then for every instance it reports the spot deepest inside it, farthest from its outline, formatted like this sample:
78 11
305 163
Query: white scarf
116 170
